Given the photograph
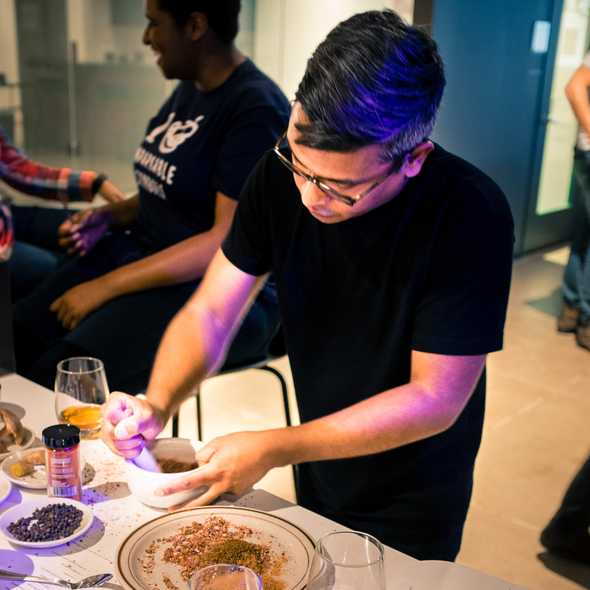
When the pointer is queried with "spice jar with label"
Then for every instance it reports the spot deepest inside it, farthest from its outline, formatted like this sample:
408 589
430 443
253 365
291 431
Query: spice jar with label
62 442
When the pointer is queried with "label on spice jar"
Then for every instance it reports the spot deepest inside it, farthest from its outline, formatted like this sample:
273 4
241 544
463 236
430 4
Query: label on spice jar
63 474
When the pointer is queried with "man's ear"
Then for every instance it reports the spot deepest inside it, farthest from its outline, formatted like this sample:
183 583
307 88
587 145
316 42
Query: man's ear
415 160
197 25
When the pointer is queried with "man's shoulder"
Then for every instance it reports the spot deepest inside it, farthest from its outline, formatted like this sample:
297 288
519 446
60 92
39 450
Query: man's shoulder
464 184
254 89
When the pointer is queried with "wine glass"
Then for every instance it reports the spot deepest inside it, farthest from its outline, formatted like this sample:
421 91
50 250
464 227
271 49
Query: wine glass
347 560
81 388
225 577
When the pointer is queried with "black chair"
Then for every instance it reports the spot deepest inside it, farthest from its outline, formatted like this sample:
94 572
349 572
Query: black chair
276 350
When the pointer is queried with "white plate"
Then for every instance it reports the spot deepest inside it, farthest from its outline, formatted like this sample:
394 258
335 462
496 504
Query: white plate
27 508
38 479
35 481
282 535
5 489
29 438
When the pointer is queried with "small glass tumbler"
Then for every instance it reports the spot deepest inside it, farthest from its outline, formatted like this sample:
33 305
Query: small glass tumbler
225 577
80 390
347 560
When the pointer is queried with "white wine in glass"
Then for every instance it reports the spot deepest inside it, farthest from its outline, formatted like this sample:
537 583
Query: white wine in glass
80 390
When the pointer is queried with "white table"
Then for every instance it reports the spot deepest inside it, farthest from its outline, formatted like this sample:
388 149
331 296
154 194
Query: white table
117 513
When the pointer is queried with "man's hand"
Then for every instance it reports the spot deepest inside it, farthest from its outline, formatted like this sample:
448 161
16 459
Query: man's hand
81 232
110 192
128 422
74 305
228 464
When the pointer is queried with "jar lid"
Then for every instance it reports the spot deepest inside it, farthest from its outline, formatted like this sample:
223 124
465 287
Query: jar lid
61 436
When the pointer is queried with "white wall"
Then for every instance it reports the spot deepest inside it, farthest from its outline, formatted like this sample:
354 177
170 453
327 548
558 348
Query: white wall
288 31
9 97
90 24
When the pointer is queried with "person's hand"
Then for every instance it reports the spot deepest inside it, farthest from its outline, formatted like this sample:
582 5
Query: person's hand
79 301
228 464
110 192
128 422
79 233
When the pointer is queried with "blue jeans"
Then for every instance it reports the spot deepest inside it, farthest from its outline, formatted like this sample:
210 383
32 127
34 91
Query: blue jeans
36 253
576 280
125 332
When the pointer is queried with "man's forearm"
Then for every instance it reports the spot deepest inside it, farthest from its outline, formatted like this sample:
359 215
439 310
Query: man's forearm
577 95
123 213
385 421
183 262
190 349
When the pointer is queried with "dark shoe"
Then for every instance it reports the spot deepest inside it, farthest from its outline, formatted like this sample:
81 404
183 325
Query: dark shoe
583 335
567 539
568 318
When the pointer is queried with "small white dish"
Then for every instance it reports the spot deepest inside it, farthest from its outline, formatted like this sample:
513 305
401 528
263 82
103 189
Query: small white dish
27 508
143 483
29 438
5 489
34 481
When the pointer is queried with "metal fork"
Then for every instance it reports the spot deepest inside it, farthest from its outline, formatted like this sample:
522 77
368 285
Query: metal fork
89 582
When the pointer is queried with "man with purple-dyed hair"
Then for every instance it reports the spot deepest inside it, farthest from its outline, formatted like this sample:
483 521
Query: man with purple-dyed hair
393 261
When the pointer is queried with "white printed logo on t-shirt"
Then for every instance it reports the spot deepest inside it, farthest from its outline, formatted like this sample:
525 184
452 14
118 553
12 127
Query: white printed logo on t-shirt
175 133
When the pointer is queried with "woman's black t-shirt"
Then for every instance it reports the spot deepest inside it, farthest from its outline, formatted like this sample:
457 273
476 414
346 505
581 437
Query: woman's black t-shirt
427 271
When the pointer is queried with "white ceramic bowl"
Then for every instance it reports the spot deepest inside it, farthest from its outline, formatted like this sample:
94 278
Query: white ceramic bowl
144 483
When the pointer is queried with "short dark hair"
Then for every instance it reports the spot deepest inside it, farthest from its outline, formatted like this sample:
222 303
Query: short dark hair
373 80
221 14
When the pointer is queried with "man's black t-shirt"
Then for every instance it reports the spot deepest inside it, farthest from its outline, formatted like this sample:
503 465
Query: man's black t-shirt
427 271
201 143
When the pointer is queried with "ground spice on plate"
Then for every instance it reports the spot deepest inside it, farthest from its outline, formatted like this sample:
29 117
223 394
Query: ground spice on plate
217 541
239 552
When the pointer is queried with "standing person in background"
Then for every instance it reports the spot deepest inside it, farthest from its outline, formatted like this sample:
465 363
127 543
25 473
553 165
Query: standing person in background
36 252
568 532
393 260
575 311
141 259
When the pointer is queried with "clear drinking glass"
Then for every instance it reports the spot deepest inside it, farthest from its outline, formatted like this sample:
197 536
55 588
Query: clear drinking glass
347 560
225 577
80 390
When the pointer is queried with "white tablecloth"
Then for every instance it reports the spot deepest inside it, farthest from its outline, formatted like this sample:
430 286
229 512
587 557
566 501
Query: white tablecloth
117 513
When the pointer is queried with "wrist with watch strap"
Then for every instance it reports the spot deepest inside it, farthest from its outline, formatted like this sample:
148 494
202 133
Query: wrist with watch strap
98 182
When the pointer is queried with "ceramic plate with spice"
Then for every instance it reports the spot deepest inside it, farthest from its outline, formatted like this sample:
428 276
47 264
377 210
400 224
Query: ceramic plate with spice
162 553
28 438
5 489
26 468
76 513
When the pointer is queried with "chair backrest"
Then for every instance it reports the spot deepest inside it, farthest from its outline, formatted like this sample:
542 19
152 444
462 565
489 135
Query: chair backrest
277 346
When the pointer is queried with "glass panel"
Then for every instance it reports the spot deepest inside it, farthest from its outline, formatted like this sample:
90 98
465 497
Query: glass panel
556 173
77 85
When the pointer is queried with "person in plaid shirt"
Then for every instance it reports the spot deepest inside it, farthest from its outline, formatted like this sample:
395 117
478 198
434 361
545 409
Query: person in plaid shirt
35 228
63 184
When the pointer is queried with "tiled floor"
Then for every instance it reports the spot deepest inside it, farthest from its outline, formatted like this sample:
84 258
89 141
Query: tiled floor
536 432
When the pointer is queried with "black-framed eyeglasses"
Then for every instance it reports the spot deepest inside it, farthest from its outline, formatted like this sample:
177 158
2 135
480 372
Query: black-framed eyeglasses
322 184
